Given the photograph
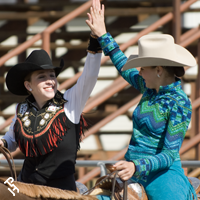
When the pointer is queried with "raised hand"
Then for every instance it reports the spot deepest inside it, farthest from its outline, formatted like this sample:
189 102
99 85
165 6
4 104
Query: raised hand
96 19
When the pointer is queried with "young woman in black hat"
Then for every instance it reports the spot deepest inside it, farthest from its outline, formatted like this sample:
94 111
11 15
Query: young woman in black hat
48 125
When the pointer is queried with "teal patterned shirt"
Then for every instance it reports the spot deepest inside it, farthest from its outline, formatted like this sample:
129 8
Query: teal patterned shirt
160 120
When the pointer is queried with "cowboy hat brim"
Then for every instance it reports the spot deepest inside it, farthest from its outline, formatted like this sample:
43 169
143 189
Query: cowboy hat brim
16 75
182 58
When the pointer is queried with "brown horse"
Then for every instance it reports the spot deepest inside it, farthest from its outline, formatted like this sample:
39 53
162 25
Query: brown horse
36 192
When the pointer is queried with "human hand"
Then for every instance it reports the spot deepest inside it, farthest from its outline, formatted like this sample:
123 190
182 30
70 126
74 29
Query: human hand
1 143
96 19
127 169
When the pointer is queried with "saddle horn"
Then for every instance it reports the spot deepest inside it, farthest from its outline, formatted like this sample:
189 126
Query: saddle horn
113 185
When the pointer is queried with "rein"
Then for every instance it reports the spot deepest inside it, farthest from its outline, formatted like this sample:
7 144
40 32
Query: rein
5 152
113 187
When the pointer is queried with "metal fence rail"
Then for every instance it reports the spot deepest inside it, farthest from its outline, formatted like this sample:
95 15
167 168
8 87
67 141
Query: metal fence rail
95 163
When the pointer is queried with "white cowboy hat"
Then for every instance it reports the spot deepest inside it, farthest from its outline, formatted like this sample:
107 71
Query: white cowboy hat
159 50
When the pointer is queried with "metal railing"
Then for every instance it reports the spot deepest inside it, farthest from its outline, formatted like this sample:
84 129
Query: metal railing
95 163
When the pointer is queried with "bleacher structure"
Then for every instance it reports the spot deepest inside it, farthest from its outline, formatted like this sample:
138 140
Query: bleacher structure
59 27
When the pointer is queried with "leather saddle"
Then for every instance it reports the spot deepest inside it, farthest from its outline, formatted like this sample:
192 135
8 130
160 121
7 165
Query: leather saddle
111 185
119 190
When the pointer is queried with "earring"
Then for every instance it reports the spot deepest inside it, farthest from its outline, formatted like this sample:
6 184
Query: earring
158 75
30 89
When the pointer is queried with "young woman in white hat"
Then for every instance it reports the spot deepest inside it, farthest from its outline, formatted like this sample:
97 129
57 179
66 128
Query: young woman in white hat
48 125
163 114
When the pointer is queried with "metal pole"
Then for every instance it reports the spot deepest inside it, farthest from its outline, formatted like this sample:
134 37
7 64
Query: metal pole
117 85
191 39
196 103
191 143
188 34
112 116
176 20
20 48
94 163
197 96
46 41
102 168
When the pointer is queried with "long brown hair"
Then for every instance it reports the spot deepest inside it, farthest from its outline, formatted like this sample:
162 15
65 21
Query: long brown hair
177 71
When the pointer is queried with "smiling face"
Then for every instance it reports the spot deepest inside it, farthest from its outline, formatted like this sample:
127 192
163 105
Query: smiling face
43 85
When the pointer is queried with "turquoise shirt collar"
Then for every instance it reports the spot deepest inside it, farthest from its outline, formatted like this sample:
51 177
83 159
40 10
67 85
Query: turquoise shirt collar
172 87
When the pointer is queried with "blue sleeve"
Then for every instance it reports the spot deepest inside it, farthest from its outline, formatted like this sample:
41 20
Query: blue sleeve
111 48
179 118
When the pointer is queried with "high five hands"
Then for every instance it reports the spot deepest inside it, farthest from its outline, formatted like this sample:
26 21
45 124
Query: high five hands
97 25
96 19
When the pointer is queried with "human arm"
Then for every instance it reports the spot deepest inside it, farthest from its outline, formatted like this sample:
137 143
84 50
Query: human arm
177 115
9 137
80 92
111 48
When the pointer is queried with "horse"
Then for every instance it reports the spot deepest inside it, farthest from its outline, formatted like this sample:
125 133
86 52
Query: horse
32 192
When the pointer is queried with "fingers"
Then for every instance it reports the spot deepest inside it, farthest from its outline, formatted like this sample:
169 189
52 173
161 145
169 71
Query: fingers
96 18
1 143
89 23
92 12
97 8
102 10
126 169
119 165
93 3
98 5
89 17
124 175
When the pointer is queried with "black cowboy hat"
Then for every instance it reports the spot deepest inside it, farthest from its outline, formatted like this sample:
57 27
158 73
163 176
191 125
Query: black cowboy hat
37 60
